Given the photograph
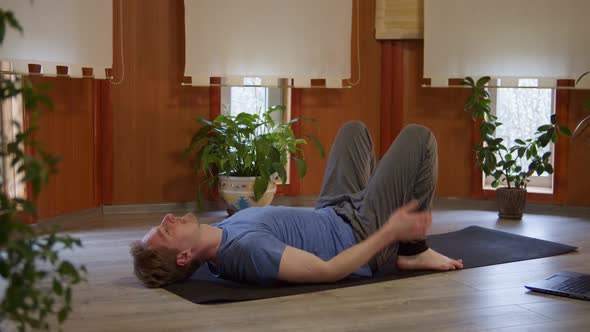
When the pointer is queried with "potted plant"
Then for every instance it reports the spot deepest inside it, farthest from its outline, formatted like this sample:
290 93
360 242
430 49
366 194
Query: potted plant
505 164
247 155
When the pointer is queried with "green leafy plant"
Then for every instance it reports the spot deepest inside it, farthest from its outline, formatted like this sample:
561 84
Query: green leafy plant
38 282
494 158
249 145
585 122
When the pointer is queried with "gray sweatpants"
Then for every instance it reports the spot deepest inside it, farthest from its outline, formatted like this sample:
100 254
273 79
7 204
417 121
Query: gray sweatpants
364 195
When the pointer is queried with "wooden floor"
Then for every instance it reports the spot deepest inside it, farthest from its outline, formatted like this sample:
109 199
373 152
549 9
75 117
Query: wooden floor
483 299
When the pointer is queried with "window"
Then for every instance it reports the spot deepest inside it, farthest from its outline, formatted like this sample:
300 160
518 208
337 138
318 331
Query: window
12 122
521 111
253 98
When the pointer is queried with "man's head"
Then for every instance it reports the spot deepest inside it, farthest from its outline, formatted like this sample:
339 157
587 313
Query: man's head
167 253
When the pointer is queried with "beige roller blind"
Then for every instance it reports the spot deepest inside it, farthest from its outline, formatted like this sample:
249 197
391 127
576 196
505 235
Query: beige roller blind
545 40
73 33
270 39
399 19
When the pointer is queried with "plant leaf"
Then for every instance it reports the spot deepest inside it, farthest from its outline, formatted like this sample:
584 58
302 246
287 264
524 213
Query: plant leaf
468 81
260 186
545 127
275 108
581 77
57 288
549 168
12 21
308 119
586 106
564 130
317 144
301 166
62 315
206 122
274 155
482 81
2 28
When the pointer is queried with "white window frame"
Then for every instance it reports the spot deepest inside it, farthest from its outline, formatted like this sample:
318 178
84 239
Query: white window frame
543 184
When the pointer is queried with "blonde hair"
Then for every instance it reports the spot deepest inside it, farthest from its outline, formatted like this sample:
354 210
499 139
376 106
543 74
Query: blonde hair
157 267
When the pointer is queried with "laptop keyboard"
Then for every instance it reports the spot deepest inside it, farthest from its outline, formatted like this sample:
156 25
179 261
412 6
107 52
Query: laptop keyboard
578 285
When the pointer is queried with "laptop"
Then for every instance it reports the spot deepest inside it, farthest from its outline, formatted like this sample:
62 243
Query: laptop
564 283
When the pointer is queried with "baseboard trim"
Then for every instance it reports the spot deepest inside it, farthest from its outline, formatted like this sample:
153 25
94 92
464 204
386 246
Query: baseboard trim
449 203
440 203
192 206
71 217
161 207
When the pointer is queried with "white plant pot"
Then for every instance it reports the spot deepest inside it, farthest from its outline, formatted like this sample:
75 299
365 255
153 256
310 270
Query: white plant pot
238 192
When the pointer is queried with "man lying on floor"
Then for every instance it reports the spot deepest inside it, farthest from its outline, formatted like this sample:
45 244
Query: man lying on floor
366 221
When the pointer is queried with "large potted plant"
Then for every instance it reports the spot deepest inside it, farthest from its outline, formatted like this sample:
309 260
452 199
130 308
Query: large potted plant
36 283
505 164
247 155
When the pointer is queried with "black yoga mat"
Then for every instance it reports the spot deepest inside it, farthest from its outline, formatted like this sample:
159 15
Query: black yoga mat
477 246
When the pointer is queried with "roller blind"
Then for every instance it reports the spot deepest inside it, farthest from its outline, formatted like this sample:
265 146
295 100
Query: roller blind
506 39
399 19
73 33
270 39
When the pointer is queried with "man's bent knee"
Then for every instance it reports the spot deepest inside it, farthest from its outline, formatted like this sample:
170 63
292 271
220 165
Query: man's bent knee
354 130
421 134
354 125
417 130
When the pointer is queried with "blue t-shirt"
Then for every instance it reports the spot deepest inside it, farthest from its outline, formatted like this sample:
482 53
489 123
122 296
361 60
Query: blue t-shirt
254 240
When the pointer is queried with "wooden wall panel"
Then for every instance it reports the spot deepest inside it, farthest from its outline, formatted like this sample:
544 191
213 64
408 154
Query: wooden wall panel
578 192
392 92
103 142
442 111
68 131
334 107
152 112
562 147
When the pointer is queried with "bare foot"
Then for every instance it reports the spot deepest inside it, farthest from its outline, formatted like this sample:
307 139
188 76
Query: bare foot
428 260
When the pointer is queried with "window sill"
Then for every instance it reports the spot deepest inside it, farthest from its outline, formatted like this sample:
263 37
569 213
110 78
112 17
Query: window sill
535 190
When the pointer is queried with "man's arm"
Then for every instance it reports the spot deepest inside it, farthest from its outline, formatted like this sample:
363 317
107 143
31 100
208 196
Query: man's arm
303 267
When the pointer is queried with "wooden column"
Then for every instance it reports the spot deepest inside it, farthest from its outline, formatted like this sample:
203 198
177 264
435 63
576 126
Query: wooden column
392 88
103 142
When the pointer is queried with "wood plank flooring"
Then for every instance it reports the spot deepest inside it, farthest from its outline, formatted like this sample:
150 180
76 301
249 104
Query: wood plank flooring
483 299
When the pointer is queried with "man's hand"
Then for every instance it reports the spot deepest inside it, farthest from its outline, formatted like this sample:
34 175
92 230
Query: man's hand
406 224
